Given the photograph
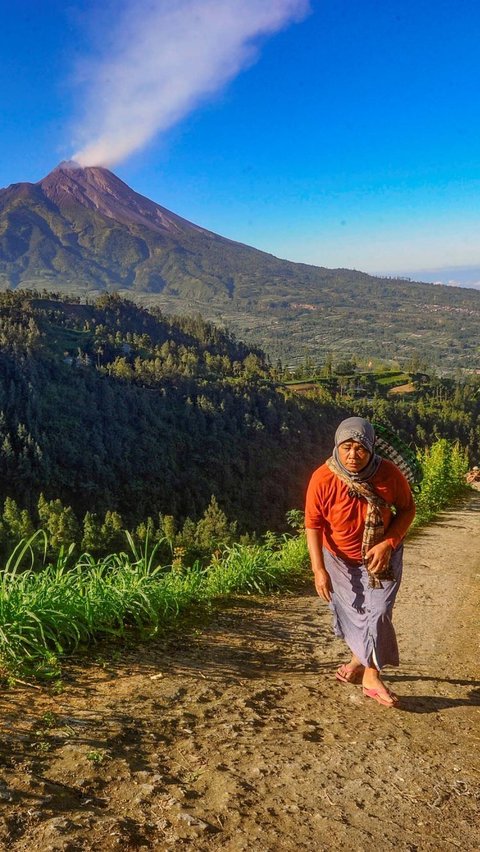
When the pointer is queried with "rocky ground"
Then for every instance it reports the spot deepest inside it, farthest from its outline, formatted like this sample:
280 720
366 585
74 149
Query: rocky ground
234 734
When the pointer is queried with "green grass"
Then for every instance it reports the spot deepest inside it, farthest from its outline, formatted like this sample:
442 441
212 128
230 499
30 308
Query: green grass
48 613
393 380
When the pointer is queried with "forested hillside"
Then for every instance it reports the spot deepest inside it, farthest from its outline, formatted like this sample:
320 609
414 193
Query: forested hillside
109 407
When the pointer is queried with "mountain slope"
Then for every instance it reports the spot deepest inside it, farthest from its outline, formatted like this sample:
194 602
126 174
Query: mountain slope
85 227
83 230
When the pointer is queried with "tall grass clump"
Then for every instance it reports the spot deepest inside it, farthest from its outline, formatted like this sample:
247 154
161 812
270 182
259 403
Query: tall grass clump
257 568
47 613
444 466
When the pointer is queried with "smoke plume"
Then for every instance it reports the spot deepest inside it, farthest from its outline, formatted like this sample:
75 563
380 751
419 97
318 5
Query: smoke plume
163 58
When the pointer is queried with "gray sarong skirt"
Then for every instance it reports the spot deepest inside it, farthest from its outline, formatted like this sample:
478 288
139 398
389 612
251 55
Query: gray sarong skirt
363 616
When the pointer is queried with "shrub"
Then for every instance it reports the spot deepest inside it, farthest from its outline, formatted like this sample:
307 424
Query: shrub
444 466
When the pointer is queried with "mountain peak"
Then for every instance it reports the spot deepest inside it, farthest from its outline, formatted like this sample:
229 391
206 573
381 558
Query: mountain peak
97 188
67 164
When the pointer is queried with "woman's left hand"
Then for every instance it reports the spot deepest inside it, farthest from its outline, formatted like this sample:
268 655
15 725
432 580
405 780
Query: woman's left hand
378 557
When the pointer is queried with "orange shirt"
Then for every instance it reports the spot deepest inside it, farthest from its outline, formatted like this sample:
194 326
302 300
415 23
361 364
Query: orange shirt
341 518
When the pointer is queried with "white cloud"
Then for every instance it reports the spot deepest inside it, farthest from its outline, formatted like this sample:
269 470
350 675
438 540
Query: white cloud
163 58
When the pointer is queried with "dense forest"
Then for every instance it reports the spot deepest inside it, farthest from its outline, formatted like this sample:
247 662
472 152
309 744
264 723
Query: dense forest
111 407
111 414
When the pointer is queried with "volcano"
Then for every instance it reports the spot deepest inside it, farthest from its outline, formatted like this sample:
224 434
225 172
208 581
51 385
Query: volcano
85 228
83 231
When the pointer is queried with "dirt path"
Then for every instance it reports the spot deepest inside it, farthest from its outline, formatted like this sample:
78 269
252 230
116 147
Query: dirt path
237 737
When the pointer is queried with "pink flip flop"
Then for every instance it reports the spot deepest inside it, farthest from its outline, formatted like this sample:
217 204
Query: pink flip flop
376 696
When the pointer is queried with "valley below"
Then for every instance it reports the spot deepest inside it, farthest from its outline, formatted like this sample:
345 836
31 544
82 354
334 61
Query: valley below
443 335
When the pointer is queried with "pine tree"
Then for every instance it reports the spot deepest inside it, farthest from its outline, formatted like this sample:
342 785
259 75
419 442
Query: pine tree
214 529
145 530
59 522
18 523
91 539
112 537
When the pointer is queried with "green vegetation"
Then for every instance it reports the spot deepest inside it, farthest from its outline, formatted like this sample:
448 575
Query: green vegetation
434 407
439 408
185 544
137 414
391 379
75 601
444 466
116 418
112 416
345 379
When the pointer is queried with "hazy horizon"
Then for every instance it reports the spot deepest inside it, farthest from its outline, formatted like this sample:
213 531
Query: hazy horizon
454 276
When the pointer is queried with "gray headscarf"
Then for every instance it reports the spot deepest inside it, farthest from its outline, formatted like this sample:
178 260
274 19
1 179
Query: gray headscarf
360 430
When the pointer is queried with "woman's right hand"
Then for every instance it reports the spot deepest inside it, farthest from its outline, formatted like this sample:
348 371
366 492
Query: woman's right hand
323 584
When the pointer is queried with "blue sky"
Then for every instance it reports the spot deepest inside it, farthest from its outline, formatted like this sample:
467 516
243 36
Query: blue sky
352 140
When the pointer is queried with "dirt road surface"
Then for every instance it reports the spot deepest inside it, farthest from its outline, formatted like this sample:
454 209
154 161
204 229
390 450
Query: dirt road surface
235 735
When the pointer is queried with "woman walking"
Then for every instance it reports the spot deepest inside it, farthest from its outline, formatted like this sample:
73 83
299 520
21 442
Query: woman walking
359 507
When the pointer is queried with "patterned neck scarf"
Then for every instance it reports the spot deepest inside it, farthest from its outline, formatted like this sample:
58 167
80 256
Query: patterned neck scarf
374 531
